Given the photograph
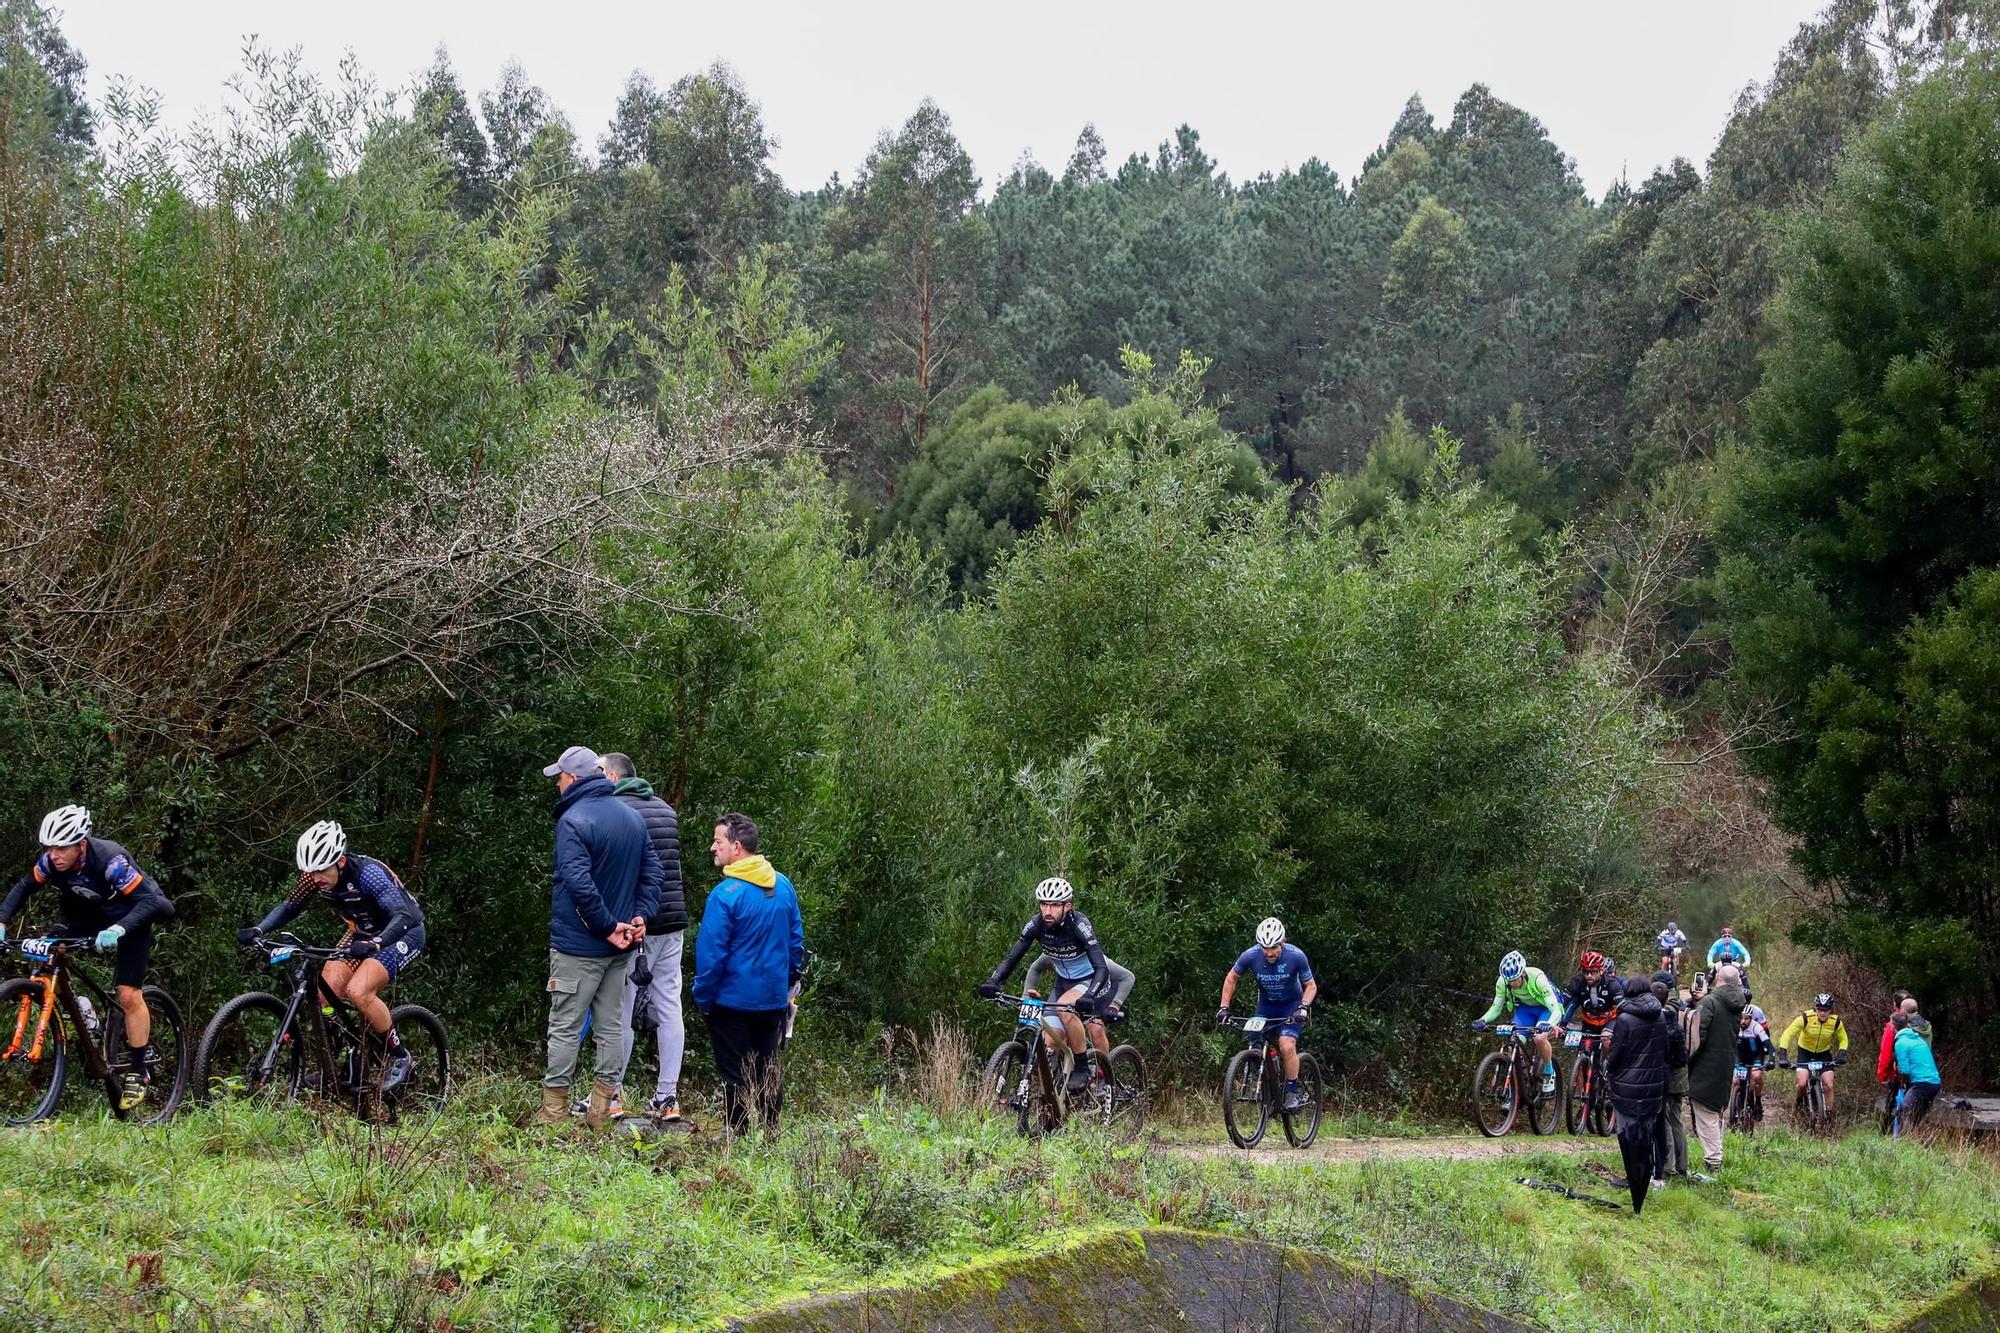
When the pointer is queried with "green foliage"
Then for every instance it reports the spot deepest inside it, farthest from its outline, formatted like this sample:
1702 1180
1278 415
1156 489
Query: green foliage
1859 563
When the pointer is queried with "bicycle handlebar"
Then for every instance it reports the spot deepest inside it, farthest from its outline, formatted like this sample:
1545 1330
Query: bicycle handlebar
1238 1020
56 944
270 944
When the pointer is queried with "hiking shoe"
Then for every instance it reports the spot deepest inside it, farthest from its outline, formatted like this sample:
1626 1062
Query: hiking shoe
1295 1101
398 1071
1659 1183
662 1106
131 1090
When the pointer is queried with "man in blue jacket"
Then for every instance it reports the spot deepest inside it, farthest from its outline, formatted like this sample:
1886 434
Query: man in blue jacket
751 945
606 883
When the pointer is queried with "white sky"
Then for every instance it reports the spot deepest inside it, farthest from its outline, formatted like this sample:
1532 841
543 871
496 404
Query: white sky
1620 84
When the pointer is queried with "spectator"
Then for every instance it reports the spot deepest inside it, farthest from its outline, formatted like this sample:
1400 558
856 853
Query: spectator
1672 1151
606 883
1644 1049
1885 1062
750 948
1712 1060
1919 1069
665 929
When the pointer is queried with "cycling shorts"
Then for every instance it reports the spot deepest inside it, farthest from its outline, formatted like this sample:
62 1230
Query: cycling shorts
402 953
1527 1015
135 950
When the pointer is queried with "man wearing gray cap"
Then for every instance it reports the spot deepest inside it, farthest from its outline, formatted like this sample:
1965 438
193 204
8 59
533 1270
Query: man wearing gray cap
606 883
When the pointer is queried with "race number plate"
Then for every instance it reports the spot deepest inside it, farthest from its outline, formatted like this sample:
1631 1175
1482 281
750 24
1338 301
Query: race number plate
1573 1039
283 955
1253 1025
41 950
1031 1010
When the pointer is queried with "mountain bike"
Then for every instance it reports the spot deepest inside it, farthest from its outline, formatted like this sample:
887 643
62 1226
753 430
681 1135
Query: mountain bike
1510 1076
1818 1104
1254 1082
1588 1105
51 1013
1746 1103
1027 1076
314 1043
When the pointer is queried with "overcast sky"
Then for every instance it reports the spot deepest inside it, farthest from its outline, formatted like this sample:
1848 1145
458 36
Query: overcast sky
1622 85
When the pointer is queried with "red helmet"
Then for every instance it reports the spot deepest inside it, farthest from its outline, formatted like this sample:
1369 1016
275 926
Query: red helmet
1591 961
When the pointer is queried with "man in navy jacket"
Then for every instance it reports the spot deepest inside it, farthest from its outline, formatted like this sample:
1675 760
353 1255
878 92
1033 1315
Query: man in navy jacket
750 947
606 883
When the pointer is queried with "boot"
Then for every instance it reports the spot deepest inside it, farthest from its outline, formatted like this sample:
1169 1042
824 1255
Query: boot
601 1098
555 1107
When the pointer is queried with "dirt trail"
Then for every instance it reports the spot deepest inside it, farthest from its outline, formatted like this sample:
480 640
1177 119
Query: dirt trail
1448 1147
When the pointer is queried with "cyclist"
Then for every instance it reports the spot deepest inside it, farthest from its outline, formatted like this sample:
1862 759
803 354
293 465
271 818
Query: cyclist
1285 990
1591 998
1729 949
1673 942
385 929
1114 1006
1814 1033
101 891
1753 1049
1525 995
1070 941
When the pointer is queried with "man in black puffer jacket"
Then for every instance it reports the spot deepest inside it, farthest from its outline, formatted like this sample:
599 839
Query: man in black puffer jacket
1643 1055
665 930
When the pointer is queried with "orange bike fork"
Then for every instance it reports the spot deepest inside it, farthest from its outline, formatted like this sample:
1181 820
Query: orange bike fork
41 1025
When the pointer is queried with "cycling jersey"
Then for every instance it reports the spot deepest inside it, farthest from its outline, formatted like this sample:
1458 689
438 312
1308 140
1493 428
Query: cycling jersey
366 895
1596 1005
1071 945
1814 1035
1671 940
1281 986
1535 992
106 888
1728 951
1122 979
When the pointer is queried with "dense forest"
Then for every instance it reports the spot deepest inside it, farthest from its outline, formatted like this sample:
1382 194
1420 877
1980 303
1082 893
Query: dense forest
1411 555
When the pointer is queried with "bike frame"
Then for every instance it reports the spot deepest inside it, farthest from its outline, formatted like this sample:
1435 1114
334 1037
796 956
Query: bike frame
1039 1064
1264 1038
50 966
303 963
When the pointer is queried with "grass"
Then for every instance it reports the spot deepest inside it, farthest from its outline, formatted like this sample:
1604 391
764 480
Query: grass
249 1218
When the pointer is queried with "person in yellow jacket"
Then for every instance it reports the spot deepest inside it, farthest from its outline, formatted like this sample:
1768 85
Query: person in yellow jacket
1817 1033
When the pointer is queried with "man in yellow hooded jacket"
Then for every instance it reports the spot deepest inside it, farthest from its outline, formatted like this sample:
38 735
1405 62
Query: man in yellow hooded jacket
750 946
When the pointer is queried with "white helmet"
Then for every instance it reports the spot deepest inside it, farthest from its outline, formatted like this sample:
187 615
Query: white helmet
1270 932
65 826
1054 889
321 846
1513 965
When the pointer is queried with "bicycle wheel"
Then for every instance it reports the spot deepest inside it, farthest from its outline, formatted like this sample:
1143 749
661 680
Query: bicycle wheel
1245 1113
1575 1103
1001 1085
31 1081
243 1055
1600 1108
166 1072
1123 1101
1302 1125
1733 1118
1495 1094
1543 1115
429 1084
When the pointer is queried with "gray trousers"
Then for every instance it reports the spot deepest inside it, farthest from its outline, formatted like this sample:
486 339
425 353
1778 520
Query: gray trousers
663 998
594 986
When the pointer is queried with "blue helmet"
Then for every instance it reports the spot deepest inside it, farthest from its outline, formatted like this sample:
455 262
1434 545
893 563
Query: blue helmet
1513 965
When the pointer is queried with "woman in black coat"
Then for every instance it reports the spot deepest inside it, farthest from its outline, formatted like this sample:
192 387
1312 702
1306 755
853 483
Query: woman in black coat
1645 1049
